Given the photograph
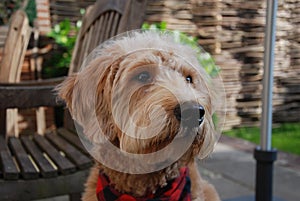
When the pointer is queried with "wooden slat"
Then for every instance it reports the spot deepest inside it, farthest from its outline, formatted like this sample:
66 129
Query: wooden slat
105 24
46 169
102 19
72 138
64 165
95 33
99 26
115 24
22 96
15 48
81 160
28 171
101 7
9 169
75 62
109 24
90 40
132 16
129 16
82 48
3 146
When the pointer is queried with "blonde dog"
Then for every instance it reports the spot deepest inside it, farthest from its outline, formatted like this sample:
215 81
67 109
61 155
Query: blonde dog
145 105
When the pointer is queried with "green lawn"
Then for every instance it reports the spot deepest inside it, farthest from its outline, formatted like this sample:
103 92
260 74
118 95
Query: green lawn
285 137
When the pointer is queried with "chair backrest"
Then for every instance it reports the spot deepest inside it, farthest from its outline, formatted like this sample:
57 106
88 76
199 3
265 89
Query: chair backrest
15 48
105 19
11 64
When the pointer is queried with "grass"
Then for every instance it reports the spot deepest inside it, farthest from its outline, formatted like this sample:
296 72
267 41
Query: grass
285 137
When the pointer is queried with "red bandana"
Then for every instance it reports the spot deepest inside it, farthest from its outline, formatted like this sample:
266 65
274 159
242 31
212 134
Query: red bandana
177 190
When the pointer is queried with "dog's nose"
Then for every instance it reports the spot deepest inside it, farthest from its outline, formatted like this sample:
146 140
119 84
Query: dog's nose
191 114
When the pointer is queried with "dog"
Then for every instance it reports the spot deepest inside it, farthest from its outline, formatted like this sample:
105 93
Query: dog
146 107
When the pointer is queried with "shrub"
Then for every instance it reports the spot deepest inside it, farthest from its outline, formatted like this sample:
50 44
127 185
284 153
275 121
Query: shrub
64 35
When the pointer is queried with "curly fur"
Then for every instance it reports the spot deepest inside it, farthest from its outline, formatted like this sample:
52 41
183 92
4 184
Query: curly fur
111 75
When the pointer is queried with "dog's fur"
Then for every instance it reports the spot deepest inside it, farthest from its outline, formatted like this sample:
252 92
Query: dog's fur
112 77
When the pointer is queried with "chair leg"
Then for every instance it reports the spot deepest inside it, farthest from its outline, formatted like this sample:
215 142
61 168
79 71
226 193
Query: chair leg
75 196
12 122
41 120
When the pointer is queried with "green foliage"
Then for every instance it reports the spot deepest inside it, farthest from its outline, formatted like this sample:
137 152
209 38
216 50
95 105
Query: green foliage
64 35
204 58
8 7
162 26
285 137
31 11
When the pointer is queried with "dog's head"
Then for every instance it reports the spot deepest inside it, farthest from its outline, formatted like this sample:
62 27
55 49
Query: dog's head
142 94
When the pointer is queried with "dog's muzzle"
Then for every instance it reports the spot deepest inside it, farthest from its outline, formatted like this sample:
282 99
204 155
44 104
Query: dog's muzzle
190 114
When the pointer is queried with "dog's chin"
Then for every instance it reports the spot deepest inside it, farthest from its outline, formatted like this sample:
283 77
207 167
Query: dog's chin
194 148
189 141
188 156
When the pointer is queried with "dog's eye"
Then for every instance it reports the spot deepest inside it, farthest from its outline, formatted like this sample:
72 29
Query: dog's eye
143 77
189 79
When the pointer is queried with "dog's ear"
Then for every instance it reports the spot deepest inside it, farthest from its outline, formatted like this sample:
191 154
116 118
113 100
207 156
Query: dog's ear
65 90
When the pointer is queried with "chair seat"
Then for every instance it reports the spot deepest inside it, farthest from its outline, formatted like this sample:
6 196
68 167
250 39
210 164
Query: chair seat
35 158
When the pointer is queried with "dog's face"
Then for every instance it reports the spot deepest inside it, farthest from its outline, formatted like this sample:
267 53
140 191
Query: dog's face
146 96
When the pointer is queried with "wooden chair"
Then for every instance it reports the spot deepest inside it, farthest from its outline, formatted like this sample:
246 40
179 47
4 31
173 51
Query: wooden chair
116 16
11 64
37 166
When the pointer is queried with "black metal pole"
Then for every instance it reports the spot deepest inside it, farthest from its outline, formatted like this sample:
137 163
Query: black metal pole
264 174
265 155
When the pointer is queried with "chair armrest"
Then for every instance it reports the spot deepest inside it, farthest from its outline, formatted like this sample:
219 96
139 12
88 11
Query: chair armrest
29 94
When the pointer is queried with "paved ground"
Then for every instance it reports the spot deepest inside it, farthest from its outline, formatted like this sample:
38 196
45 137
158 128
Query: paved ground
232 171
231 168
